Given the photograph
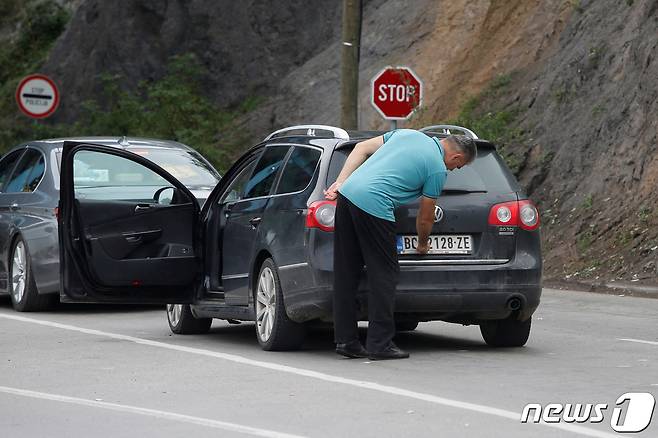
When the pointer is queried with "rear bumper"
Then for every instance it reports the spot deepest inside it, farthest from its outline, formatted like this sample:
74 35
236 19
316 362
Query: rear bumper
465 291
458 293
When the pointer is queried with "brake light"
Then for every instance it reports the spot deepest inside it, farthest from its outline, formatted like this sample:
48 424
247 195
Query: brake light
321 214
522 214
56 213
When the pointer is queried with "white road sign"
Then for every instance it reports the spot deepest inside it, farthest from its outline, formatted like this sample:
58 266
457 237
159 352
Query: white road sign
37 96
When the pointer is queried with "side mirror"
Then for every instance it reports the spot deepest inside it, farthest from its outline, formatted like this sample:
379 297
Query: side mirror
164 195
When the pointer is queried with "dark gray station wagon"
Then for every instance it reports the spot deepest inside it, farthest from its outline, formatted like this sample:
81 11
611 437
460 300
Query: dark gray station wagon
261 247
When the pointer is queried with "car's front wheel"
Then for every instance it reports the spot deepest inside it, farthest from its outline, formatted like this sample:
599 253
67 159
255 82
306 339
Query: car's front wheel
23 290
182 321
508 332
274 330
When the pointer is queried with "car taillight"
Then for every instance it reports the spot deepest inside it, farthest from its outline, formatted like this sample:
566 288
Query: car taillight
516 213
529 215
321 214
57 213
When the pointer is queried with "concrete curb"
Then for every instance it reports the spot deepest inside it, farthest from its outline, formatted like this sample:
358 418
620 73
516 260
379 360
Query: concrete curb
609 288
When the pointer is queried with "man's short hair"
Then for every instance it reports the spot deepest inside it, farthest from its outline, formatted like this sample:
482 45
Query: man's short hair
466 146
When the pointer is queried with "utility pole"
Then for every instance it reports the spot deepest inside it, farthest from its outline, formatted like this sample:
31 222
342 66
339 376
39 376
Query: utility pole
350 51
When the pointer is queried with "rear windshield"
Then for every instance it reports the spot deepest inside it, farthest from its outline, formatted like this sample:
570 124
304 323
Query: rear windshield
487 173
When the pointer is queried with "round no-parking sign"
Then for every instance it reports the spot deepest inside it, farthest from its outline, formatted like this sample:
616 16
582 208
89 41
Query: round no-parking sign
37 96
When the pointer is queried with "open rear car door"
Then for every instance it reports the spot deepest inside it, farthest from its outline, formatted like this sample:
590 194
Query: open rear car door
127 229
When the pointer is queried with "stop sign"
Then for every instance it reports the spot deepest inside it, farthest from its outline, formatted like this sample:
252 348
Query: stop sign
396 92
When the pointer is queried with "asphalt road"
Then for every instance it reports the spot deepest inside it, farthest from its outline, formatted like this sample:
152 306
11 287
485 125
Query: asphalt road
109 371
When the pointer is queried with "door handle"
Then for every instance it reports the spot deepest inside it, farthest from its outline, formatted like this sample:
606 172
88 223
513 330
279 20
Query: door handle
13 207
254 221
142 207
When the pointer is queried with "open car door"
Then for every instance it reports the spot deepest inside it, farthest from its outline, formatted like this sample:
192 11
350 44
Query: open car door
127 229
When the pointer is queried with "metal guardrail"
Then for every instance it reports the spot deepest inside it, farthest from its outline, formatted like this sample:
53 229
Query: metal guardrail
447 129
311 130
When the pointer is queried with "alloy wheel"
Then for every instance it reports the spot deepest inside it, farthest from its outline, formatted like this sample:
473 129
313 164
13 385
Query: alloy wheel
18 274
174 312
265 304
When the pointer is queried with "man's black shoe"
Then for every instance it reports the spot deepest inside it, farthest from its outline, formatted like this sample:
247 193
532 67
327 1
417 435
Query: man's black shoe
390 352
352 349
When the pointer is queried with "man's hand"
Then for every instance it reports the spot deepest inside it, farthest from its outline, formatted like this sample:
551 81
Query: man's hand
332 192
423 248
424 223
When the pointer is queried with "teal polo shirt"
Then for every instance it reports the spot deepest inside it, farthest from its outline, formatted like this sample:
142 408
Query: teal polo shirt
407 165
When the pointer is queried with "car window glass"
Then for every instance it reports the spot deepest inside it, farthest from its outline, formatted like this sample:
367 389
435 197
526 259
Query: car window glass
28 173
103 176
236 189
7 165
265 172
299 170
188 167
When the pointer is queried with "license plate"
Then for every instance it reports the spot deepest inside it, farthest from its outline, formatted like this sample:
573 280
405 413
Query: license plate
439 244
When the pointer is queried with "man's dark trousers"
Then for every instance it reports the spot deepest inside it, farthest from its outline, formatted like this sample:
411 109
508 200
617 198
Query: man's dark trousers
361 238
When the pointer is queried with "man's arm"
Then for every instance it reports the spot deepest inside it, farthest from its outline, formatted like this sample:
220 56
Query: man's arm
424 223
357 157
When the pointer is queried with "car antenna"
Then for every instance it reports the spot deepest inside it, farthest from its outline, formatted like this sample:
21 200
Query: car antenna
123 141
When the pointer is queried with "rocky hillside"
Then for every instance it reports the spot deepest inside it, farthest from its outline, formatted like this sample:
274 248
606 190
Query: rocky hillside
567 88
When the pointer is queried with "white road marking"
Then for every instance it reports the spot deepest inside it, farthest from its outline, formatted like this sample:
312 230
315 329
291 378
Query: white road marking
639 341
148 412
430 398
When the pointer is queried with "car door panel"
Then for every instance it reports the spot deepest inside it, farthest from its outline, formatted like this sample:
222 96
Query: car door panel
240 236
243 218
121 245
125 250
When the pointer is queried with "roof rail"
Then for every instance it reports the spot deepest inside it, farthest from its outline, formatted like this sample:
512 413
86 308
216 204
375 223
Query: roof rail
446 129
310 131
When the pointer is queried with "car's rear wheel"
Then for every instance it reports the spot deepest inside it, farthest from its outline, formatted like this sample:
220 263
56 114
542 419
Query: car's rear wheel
182 321
23 290
508 332
405 326
274 330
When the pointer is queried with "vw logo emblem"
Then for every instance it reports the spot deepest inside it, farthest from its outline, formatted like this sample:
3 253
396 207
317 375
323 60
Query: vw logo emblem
438 213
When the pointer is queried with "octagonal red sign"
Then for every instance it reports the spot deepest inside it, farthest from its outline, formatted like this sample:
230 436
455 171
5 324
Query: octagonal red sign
396 92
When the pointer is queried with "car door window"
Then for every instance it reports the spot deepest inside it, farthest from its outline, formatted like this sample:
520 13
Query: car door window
102 176
265 172
236 189
299 170
28 173
7 165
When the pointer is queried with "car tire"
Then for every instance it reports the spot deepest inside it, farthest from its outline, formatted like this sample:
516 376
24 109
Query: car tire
274 330
183 322
405 326
508 332
21 286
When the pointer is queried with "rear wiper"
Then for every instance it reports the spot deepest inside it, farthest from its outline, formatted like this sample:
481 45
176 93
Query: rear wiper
460 191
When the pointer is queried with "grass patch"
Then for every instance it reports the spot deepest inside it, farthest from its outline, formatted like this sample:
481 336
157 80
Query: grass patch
495 125
40 25
584 240
645 213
